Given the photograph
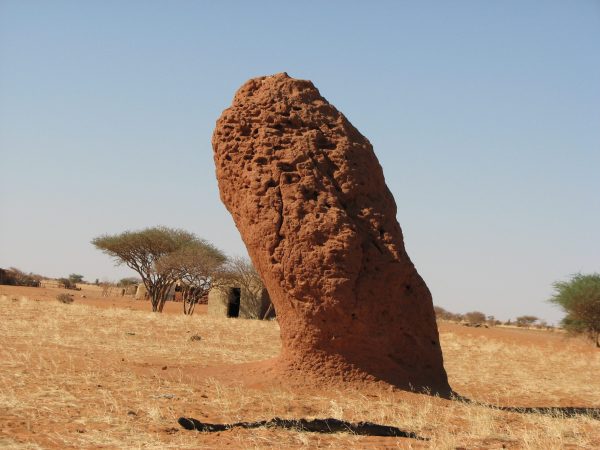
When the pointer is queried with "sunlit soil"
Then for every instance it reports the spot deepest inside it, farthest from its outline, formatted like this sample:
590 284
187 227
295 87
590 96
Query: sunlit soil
84 376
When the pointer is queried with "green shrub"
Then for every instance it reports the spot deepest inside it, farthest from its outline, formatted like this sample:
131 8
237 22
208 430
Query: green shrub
580 299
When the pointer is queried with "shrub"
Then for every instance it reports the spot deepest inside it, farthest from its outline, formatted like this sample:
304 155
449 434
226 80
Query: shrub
16 277
65 298
66 283
441 313
526 321
76 278
580 299
475 317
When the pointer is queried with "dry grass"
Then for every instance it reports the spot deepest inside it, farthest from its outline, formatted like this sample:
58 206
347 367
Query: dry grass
75 376
523 374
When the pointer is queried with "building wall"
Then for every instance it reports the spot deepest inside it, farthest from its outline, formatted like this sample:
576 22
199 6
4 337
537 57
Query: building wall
140 293
218 302
219 299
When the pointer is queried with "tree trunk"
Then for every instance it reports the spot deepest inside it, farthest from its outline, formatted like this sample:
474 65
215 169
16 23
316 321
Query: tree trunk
164 290
193 300
154 299
185 297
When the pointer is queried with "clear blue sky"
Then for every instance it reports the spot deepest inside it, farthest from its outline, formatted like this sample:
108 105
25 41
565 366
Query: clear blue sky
484 115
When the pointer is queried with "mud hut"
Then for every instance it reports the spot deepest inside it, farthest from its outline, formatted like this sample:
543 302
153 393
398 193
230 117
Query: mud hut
237 301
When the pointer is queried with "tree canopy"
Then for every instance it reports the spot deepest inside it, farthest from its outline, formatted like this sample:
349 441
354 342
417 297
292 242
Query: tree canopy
475 317
196 267
143 251
76 278
580 299
526 321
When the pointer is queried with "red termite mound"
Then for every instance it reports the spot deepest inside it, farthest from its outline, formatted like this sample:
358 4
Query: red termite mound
309 198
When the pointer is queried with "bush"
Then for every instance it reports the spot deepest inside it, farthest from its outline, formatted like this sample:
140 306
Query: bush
76 278
475 317
129 281
66 283
526 321
65 298
16 277
441 313
580 299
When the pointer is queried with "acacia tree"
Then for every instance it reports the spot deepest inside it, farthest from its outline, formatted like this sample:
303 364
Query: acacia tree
76 278
475 317
526 321
129 281
580 299
197 267
142 250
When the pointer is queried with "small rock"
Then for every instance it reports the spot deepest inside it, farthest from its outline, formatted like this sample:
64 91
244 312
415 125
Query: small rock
195 337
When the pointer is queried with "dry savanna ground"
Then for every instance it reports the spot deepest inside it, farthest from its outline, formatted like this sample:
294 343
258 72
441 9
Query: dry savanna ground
105 373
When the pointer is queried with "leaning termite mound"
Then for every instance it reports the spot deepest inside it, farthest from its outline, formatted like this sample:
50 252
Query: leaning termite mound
309 198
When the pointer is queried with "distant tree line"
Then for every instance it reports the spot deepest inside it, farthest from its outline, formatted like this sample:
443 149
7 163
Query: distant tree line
579 298
15 277
477 318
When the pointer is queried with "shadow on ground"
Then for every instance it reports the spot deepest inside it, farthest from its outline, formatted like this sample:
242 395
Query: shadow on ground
554 411
313 426
371 429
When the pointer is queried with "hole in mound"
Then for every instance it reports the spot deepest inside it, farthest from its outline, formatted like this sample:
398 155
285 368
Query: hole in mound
312 426
261 160
284 167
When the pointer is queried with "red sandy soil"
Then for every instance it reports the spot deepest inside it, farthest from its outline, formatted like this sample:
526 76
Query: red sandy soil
520 336
217 381
512 335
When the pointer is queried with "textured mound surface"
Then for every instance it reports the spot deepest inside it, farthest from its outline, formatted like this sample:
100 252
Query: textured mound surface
309 198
